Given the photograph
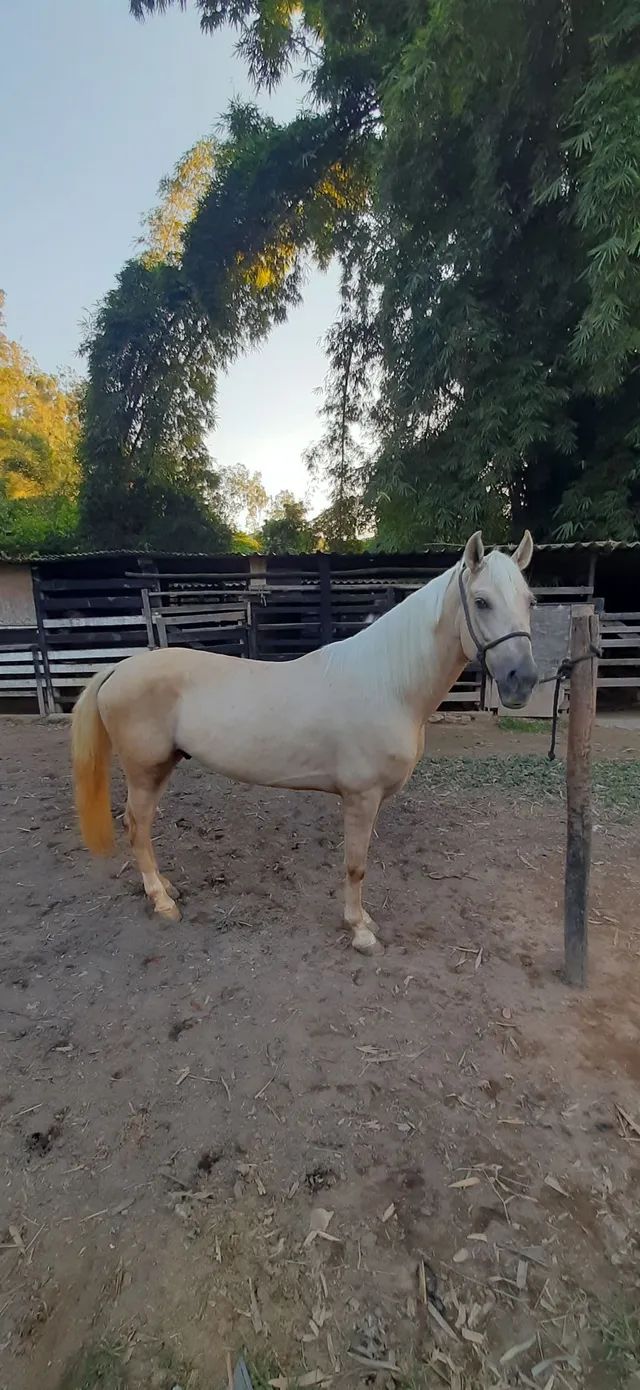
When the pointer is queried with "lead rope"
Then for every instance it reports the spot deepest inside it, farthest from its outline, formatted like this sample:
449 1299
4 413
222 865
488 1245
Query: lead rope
562 674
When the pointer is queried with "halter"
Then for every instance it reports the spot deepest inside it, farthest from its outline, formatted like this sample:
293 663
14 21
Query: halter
482 647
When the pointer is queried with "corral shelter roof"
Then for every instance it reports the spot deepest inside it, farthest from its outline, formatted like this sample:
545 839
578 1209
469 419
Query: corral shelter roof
432 548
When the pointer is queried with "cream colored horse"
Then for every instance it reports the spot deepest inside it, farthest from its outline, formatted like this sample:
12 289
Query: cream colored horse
348 719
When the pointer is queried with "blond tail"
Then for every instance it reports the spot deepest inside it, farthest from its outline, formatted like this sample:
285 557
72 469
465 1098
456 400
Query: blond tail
91 757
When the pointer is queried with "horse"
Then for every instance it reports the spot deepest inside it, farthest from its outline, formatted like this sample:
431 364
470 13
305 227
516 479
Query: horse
348 719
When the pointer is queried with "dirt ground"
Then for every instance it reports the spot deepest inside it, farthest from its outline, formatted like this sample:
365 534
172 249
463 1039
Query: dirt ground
236 1134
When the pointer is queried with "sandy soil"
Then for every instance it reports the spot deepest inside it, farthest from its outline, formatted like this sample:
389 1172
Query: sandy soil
178 1104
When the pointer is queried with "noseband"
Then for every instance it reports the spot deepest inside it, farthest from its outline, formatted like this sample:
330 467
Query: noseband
482 647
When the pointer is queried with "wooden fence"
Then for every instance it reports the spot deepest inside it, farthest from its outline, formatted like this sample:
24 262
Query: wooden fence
93 614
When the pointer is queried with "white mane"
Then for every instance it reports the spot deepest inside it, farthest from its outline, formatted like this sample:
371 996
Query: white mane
397 649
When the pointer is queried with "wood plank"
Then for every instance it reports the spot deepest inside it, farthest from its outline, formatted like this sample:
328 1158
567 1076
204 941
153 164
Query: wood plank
14 654
71 586
114 621
187 577
62 668
456 697
620 660
66 674
199 590
197 625
114 603
555 590
72 682
11 646
104 654
213 640
178 614
310 627
614 682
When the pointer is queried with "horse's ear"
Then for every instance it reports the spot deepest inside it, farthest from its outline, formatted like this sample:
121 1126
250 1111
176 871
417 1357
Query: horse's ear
474 552
524 554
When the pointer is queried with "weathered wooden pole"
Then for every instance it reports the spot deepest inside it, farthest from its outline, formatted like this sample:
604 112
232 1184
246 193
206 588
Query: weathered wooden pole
582 702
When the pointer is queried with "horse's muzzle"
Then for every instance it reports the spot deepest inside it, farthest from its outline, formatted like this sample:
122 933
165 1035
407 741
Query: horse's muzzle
517 683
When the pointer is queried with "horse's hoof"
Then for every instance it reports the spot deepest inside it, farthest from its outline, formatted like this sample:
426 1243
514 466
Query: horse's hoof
169 887
365 942
171 913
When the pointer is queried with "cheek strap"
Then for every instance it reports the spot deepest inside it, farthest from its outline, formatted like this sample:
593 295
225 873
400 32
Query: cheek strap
482 647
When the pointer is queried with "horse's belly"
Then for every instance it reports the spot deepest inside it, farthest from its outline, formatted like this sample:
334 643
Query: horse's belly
291 725
260 740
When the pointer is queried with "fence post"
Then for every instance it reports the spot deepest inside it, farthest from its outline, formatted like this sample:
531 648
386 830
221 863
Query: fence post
582 701
251 635
51 702
148 617
324 577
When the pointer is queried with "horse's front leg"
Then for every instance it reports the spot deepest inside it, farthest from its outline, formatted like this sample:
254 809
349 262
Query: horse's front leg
360 811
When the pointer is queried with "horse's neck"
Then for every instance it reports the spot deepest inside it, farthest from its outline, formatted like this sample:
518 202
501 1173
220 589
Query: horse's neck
414 651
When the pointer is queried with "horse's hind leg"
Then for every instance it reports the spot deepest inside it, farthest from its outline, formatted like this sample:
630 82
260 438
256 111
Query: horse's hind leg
145 787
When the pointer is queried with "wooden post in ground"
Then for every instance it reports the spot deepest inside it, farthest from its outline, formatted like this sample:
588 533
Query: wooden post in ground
324 580
582 701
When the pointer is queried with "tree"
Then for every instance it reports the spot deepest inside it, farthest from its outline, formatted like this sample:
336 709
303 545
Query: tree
148 476
244 497
340 458
39 426
495 148
287 531
509 357
39 470
158 339
180 195
244 544
45 525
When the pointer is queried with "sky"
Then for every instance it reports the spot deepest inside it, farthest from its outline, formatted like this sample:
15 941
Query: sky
94 110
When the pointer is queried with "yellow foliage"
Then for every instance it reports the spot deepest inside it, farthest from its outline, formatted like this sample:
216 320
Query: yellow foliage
268 267
342 188
39 427
180 196
18 487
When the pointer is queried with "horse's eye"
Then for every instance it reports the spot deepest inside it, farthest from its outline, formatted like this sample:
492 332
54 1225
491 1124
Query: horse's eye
482 603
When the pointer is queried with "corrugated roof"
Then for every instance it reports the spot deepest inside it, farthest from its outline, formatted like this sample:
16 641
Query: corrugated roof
604 546
589 545
35 558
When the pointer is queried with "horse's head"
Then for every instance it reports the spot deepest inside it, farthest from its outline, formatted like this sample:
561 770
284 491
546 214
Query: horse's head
495 617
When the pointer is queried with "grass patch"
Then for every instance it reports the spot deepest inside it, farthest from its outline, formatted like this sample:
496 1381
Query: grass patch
99 1368
621 1343
616 785
511 724
262 1370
